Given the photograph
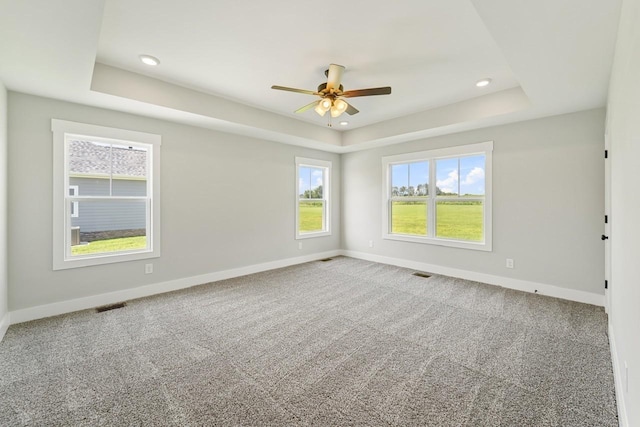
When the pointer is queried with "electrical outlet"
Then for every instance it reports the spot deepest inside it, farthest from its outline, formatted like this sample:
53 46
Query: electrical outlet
370 243
148 268
299 245
509 263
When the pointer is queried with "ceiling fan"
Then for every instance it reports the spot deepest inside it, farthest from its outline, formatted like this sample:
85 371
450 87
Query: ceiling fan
332 94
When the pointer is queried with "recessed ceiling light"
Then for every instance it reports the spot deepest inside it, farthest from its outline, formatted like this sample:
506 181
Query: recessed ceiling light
149 60
483 82
344 123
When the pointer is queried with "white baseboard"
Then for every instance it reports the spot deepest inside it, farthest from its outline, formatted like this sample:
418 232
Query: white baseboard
505 282
4 325
617 379
62 307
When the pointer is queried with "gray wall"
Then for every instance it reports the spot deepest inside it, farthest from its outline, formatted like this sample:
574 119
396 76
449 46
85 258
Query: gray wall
227 202
548 201
3 204
98 216
624 134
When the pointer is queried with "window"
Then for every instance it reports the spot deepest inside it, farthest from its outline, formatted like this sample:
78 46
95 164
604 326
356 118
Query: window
312 198
440 197
73 191
118 174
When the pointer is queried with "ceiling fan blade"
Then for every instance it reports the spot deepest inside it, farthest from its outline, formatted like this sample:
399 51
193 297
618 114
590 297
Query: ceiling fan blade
351 110
335 76
307 107
367 92
291 89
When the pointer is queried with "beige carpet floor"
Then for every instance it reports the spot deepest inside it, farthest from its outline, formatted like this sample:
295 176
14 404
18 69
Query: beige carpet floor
342 342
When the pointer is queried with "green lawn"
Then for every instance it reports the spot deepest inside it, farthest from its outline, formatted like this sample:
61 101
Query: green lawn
455 220
310 216
409 218
111 245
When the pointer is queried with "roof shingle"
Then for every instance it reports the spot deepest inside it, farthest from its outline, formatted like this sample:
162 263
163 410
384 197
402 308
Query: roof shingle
90 158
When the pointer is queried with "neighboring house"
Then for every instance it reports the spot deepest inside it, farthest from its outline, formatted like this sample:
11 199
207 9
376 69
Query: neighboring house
107 170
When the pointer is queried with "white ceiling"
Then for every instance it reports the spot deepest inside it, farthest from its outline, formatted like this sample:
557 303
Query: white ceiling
220 58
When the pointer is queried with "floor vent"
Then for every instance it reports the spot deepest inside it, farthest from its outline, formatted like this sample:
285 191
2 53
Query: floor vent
110 307
326 259
420 274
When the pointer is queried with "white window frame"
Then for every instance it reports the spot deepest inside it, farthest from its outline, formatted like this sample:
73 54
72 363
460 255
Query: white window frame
326 197
75 213
64 131
431 156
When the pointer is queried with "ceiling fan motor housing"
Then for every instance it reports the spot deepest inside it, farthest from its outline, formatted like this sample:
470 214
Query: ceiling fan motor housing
323 86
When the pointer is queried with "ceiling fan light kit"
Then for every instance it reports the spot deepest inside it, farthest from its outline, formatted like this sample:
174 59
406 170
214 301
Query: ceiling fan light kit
323 106
332 94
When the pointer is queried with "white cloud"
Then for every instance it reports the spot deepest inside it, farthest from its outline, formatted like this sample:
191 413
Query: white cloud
317 174
476 174
449 184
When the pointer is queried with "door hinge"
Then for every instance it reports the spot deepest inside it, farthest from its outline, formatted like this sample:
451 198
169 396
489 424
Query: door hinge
606 219
606 154
606 284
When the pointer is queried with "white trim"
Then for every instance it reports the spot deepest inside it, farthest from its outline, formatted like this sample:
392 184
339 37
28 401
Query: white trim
505 282
432 156
62 307
62 131
326 196
623 419
75 213
454 151
4 325
108 133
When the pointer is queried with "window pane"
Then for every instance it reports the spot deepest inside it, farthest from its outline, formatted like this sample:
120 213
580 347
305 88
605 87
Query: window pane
460 220
129 166
400 180
447 177
87 157
472 176
310 215
92 166
311 182
410 179
419 178
129 187
409 218
89 167
107 226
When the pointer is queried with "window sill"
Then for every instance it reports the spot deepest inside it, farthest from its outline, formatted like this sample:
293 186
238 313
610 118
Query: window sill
312 235
104 259
477 246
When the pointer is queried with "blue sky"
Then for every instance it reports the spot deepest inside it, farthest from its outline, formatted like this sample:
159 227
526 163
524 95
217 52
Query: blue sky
410 174
309 178
464 173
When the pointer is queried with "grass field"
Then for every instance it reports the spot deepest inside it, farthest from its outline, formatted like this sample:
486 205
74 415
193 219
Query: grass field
455 220
111 245
409 218
310 217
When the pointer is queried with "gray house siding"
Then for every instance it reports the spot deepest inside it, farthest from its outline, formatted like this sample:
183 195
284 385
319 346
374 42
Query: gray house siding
109 216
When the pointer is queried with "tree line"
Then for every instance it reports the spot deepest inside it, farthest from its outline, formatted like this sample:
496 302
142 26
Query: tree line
315 193
419 190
